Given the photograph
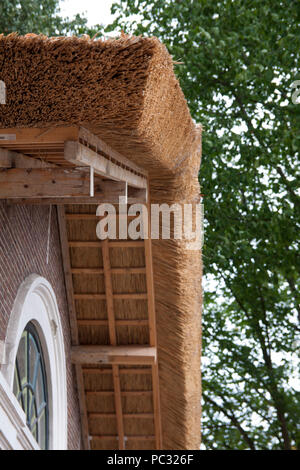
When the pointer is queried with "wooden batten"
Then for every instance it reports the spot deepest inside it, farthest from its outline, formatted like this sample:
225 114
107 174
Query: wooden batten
97 143
79 155
142 355
92 322
73 323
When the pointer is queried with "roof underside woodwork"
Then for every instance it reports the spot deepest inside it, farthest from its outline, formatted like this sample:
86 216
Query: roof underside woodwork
109 283
112 302
125 92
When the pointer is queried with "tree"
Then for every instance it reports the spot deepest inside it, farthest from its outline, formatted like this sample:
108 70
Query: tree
240 60
40 17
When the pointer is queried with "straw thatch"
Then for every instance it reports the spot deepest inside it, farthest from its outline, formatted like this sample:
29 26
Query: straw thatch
126 92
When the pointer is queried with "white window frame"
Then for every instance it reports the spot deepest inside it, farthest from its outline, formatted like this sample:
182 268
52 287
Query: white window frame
36 303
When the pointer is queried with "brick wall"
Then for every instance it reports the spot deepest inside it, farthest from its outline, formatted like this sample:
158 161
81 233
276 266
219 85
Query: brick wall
23 251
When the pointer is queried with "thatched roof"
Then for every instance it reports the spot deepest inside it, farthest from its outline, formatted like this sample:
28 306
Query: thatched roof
125 91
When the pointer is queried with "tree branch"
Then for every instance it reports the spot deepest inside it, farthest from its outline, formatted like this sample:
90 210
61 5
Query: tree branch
233 419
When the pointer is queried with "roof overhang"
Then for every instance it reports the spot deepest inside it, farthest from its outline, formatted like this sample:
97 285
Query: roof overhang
90 112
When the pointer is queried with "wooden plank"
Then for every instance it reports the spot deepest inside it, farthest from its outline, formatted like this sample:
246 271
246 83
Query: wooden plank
133 296
67 274
79 155
127 393
125 415
62 201
142 355
95 217
126 244
73 322
36 135
113 340
87 271
112 244
113 271
111 191
117 322
53 183
156 406
118 406
127 371
107 437
89 296
85 435
128 270
109 293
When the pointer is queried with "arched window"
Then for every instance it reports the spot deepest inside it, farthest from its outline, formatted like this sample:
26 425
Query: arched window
35 368
30 385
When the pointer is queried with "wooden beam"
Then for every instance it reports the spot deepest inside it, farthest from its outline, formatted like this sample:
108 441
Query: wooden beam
152 328
53 183
96 142
131 296
67 273
113 340
118 406
96 217
97 271
12 136
73 322
107 437
125 415
108 371
10 159
112 244
127 393
79 155
92 322
79 200
142 355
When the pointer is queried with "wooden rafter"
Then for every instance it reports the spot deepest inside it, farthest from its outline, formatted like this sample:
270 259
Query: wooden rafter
113 340
73 322
152 329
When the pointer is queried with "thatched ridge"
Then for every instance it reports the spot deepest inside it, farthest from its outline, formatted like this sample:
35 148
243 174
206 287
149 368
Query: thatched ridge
126 92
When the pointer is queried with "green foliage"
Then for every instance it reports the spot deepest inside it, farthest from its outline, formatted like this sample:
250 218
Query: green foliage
40 16
240 59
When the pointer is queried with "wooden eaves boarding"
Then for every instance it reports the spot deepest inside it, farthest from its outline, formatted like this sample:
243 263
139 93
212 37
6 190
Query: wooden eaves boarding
109 283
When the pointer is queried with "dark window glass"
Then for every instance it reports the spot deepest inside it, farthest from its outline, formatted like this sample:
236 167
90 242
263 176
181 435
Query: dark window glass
30 385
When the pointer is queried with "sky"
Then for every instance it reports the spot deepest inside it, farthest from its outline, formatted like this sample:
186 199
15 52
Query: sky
96 11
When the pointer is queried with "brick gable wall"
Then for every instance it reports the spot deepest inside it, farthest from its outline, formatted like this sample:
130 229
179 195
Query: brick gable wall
23 251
